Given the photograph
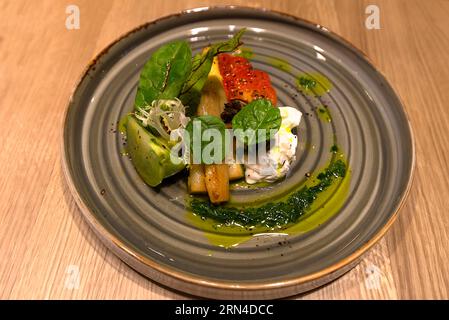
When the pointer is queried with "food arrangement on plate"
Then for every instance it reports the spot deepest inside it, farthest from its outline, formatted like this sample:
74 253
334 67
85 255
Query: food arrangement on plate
215 217
215 119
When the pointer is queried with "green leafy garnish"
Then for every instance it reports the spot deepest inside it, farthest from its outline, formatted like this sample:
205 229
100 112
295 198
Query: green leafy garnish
206 151
201 65
257 115
165 74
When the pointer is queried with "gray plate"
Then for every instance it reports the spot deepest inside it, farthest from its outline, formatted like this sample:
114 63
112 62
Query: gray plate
150 229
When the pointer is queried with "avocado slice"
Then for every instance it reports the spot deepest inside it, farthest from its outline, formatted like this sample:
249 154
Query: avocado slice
150 154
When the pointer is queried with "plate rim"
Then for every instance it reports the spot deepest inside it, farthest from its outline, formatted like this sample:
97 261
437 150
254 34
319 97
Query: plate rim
129 256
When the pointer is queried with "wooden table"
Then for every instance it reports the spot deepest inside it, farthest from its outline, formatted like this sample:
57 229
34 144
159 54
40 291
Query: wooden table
44 240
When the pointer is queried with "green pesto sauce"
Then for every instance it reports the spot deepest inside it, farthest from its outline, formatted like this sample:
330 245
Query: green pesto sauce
324 114
280 64
122 129
313 84
122 124
297 212
246 53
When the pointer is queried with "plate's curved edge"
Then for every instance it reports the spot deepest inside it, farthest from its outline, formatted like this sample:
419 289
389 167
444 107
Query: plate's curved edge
206 288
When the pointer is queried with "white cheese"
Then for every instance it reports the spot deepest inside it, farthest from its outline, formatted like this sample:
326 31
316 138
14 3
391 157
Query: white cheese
276 162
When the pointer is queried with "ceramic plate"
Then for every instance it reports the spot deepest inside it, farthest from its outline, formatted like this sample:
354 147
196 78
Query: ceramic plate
150 228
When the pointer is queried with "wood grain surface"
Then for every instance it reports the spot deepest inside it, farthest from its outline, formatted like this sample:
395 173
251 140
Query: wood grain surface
43 238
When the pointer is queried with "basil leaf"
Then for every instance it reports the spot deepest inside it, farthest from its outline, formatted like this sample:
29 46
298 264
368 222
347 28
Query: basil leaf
259 114
201 65
164 75
196 129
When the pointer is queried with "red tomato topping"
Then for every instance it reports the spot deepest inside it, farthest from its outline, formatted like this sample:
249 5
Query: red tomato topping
241 81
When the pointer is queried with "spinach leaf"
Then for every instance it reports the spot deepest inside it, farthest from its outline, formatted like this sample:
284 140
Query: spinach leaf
259 114
164 75
201 65
206 151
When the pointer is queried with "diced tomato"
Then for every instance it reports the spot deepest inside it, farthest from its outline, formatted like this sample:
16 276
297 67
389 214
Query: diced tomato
242 82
